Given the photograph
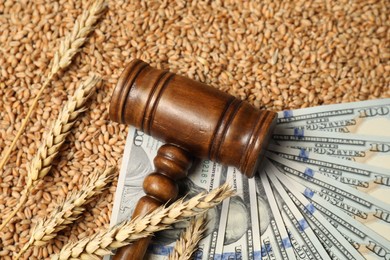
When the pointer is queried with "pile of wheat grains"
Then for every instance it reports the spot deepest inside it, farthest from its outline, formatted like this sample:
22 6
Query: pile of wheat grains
276 54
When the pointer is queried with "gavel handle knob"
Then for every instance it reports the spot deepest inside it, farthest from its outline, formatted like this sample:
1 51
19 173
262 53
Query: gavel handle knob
171 163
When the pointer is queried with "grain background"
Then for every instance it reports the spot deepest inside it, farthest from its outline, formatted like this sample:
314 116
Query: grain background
276 54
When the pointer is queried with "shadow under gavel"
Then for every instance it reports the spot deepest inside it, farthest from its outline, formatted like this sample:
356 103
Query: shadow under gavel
193 119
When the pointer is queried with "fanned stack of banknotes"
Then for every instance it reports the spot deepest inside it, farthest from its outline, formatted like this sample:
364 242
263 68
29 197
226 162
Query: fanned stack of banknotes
322 193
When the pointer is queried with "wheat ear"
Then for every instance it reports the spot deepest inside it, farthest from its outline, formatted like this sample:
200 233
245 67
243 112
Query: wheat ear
69 210
103 242
69 46
41 163
187 243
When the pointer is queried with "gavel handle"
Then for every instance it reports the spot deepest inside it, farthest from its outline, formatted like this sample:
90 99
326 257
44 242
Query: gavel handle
171 163
137 250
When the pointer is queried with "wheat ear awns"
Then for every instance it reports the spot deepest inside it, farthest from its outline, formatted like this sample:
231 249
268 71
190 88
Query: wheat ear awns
69 47
41 162
69 210
186 245
103 242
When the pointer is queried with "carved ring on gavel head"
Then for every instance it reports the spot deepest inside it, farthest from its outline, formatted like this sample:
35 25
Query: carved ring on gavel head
192 118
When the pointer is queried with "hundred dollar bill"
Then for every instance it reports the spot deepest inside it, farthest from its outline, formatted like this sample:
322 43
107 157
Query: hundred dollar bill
242 220
301 236
370 117
366 178
137 162
371 150
269 235
236 234
276 223
250 234
208 247
293 219
273 234
335 243
139 153
369 243
212 248
300 249
296 232
252 205
365 208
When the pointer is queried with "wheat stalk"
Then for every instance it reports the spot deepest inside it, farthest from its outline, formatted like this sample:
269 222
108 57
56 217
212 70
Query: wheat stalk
41 163
62 58
103 242
69 210
187 243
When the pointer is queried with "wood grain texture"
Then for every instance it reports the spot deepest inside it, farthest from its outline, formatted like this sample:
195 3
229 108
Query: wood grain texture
192 117
160 187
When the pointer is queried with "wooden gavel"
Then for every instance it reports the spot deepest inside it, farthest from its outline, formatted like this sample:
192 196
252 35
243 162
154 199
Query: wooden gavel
192 119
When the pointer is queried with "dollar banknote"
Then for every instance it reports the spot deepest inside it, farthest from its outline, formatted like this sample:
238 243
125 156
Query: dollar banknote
252 205
365 208
321 193
205 175
237 236
370 117
366 178
137 162
369 243
300 240
208 246
211 247
366 149
318 229
276 224
273 234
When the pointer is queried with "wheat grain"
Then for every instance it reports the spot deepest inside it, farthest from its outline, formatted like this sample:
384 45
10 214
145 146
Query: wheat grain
186 245
352 53
41 163
69 210
105 241
73 42
62 58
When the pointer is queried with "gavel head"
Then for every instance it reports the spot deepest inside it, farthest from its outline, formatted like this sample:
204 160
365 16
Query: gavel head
198 118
